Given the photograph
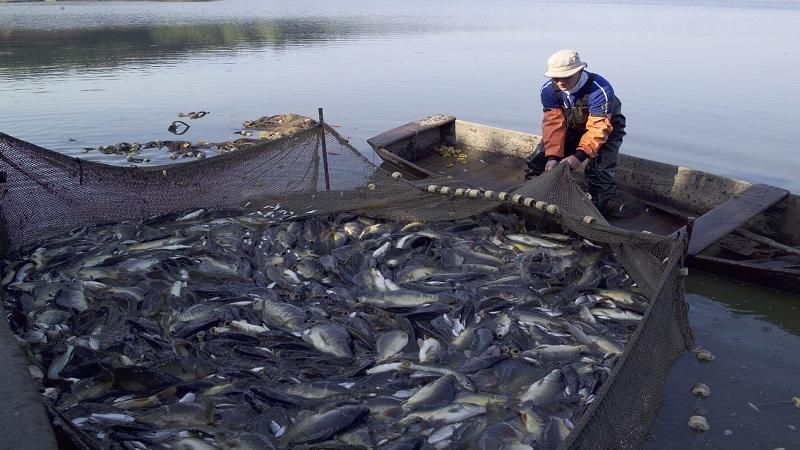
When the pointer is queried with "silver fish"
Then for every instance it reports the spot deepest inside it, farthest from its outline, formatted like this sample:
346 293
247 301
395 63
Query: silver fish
320 426
437 393
430 349
329 338
544 390
391 343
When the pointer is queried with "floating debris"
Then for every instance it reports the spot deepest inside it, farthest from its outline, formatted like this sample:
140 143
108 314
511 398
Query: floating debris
699 423
231 328
258 131
704 355
178 127
278 126
701 390
193 114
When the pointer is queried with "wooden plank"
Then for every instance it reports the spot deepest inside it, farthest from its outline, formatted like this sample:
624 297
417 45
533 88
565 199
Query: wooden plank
731 214
767 241
787 280
24 424
789 262
414 169
409 130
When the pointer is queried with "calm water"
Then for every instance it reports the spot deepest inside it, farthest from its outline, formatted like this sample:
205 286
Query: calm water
703 85
754 335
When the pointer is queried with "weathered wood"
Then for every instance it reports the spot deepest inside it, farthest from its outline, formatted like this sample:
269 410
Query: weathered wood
731 214
767 241
476 136
774 263
691 191
786 280
409 130
415 170
324 150
23 423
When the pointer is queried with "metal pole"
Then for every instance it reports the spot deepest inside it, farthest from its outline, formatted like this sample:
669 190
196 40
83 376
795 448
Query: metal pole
324 151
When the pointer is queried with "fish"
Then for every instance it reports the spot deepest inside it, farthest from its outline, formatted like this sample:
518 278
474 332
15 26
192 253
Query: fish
544 390
412 274
329 338
536 424
399 299
430 349
437 393
452 413
616 315
555 352
322 425
533 241
280 314
187 329
391 343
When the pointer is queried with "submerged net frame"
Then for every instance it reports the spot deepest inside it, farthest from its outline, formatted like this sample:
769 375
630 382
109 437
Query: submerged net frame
46 194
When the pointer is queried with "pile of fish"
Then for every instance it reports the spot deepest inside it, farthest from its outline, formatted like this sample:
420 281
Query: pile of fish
232 329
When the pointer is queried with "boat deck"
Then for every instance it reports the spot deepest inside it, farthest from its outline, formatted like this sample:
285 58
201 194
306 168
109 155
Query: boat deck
480 169
741 230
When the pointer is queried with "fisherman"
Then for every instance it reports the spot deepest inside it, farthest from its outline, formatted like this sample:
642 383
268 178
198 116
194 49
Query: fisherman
582 120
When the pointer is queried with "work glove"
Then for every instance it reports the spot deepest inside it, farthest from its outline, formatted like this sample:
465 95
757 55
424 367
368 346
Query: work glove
550 165
571 161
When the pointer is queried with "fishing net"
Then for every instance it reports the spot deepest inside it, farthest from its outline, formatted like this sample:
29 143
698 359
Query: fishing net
47 194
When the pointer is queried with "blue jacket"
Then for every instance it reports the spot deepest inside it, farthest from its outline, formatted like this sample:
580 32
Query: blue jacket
586 112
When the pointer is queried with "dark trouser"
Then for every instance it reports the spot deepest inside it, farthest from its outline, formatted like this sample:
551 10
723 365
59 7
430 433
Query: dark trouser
599 171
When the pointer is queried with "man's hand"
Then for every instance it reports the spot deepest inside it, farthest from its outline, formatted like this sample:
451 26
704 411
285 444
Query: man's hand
550 165
572 162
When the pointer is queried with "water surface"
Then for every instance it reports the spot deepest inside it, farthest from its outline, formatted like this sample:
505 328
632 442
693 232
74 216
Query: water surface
704 85
709 85
754 334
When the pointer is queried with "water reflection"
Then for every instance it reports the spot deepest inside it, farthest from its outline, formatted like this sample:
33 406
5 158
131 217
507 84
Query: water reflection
775 307
755 335
37 52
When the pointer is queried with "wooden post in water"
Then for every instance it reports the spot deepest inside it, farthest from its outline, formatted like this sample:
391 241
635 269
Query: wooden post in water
324 150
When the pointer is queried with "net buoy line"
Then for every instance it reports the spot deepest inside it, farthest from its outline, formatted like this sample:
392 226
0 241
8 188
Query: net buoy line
469 193
516 199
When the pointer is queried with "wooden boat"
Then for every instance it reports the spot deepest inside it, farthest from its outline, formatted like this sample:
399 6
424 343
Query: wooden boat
748 232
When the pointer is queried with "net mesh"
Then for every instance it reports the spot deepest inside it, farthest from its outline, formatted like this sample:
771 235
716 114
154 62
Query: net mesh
46 194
